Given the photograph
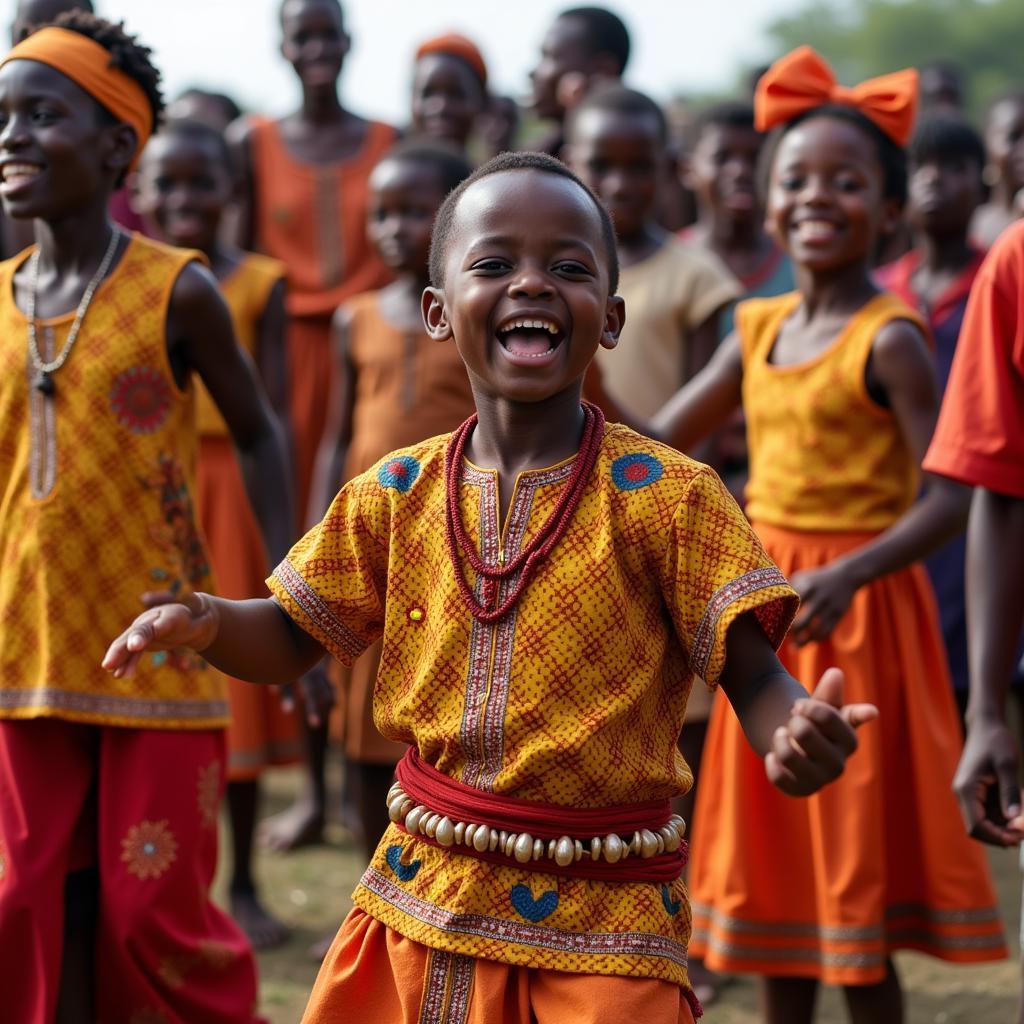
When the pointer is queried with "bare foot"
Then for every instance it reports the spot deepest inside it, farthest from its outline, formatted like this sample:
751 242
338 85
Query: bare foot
263 930
302 824
319 948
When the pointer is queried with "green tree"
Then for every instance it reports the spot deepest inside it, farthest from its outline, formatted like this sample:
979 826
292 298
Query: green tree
861 38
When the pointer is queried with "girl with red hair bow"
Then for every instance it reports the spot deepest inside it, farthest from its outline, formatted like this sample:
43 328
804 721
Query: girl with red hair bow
838 385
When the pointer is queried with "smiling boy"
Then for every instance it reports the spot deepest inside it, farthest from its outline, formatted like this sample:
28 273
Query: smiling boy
539 648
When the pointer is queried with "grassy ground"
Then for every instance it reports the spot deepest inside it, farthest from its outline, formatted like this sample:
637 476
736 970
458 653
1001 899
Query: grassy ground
310 890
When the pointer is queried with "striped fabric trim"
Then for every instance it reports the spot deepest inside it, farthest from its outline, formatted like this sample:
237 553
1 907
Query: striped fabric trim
448 985
733 591
52 699
521 933
312 605
799 954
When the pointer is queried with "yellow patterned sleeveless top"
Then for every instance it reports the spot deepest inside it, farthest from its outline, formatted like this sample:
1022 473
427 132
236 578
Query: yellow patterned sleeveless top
246 291
823 454
96 507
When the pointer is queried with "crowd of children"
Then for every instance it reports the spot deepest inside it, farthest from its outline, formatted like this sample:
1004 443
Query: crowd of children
436 383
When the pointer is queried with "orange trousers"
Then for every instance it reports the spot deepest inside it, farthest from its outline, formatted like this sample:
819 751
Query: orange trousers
373 975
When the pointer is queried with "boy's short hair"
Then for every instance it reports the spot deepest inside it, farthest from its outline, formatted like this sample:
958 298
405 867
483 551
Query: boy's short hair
606 32
231 110
614 98
199 131
447 161
127 54
728 114
946 136
514 161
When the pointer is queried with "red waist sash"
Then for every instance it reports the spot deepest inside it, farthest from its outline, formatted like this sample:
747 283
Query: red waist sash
427 788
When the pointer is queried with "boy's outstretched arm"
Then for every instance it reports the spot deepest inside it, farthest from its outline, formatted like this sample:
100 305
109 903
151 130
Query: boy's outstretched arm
804 740
253 640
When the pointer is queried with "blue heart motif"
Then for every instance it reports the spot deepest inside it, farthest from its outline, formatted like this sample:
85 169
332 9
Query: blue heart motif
405 872
671 906
533 910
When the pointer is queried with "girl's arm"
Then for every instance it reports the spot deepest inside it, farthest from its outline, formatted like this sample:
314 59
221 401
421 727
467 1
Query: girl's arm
242 230
330 457
902 365
705 403
804 740
252 640
203 339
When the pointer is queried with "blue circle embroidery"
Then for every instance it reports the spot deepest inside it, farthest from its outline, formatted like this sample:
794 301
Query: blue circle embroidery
399 472
631 472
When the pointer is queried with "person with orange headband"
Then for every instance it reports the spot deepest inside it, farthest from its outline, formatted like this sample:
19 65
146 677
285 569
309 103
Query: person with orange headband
109 792
449 89
837 381
548 588
303 201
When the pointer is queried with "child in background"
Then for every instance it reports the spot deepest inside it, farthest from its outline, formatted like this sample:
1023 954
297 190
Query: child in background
615 141
979 441
184 185
303 201
449 89
1004 170
395 387
216 109
539 670
499 124
946 160
110 790
838 386
584 46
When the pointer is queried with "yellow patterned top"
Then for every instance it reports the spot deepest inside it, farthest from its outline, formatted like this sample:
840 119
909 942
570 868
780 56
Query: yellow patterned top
96 484
823 454
246 291
576 698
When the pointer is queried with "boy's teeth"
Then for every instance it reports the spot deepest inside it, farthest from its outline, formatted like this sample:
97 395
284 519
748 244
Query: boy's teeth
537 325
11 171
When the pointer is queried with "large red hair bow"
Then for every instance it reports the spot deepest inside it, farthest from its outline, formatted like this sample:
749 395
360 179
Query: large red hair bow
802 80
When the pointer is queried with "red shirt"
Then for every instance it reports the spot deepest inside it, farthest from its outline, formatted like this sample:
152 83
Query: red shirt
979 439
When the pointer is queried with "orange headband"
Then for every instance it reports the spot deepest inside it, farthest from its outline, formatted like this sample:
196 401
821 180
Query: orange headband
87 64
455 45
802 80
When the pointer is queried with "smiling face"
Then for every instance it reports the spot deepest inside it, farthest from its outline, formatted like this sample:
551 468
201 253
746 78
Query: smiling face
620 156
526 291
723 171
184 186
59 150
314 41
404 199
566 48
447 98
826 203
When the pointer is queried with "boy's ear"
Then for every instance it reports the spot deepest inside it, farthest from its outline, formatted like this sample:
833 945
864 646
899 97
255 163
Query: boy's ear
892 215
435 314
120 143
614 318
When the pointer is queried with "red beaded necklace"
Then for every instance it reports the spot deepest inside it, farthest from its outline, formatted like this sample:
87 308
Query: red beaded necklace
536 550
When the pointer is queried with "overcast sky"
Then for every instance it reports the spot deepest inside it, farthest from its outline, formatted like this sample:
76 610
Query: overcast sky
679 45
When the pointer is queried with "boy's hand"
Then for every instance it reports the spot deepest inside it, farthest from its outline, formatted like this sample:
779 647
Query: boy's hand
171 621
317 695
825 596
987 769
811 749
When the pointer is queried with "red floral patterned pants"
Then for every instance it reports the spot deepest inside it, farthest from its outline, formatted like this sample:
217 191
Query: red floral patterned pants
141 806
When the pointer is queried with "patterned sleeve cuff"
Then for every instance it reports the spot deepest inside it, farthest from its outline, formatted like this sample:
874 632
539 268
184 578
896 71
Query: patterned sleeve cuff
764 591
312 614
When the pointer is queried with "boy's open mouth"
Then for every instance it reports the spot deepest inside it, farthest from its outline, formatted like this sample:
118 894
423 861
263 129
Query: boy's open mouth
530 337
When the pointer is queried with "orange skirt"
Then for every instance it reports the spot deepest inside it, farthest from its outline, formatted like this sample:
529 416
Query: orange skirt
260 732
309 392
374 974
827 887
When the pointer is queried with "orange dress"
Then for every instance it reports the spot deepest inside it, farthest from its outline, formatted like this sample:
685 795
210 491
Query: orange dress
312 217
260 732
829 886
96 485
407 388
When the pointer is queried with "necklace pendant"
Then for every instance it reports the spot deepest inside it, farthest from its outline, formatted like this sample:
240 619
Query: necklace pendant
44 384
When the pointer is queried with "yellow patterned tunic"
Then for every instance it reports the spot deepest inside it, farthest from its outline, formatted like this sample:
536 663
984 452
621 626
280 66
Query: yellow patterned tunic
574 699
96 506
